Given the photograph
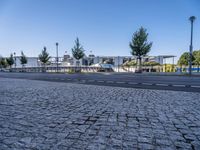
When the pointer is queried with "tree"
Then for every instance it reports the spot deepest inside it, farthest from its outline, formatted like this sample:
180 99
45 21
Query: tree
3 63
196 61
139 45
78 51
44 57
23 59
184 60
10 61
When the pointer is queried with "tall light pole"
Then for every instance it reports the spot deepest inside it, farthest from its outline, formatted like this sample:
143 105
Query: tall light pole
192 18
15 59
118 64
57 56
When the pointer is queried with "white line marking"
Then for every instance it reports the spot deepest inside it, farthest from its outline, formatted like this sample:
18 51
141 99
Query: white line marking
132 83
147 83
195 86
120 82
109 81
162 84
100 81
62 79
178 85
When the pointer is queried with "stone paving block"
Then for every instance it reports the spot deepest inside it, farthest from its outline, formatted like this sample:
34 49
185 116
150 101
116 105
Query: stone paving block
41 115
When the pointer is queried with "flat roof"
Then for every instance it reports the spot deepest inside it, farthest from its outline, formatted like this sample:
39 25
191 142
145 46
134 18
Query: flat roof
166 56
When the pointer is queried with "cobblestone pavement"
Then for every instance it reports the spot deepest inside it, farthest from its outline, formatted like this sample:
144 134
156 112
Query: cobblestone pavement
48 115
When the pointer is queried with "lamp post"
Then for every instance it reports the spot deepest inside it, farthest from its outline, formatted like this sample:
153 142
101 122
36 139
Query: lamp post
192 18
15 59
57 56
118 64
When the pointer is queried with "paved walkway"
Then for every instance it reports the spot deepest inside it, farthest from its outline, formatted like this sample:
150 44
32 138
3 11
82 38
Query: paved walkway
41 115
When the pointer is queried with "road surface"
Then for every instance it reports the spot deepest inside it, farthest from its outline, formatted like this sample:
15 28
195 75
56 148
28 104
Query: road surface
160 82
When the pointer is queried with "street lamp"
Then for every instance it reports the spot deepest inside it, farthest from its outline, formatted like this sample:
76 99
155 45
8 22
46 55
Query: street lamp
192 18
57 56
118 64
15 59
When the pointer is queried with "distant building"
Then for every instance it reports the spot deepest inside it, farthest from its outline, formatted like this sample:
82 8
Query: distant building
67 60
31 62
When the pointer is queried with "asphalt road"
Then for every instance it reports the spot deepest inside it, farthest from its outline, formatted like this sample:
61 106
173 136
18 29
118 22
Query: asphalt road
159 82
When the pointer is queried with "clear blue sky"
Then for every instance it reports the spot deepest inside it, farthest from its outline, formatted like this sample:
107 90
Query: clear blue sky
103 26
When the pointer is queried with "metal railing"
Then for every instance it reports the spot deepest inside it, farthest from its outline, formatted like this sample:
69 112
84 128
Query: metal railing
54 69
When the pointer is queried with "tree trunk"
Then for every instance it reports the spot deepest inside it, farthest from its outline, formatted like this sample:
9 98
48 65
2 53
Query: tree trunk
140 65
78 70
44 68
22 68
10 68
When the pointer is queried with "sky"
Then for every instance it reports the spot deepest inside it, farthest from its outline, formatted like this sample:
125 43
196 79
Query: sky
104 27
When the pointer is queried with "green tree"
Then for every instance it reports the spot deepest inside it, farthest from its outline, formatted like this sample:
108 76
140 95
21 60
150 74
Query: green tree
23 59
139 45
78 51
196 61
44 57
184 60
3 63
10 60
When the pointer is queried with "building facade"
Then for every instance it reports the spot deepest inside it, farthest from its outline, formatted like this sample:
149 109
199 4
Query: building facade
90 60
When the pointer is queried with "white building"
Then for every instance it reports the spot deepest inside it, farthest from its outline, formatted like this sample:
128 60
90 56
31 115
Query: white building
91 60
31 62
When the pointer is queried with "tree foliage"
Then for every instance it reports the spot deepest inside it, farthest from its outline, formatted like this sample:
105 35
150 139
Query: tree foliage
77 50
139 45
3 63
44 56
196 61
184 59
23 59
10 60
196 55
